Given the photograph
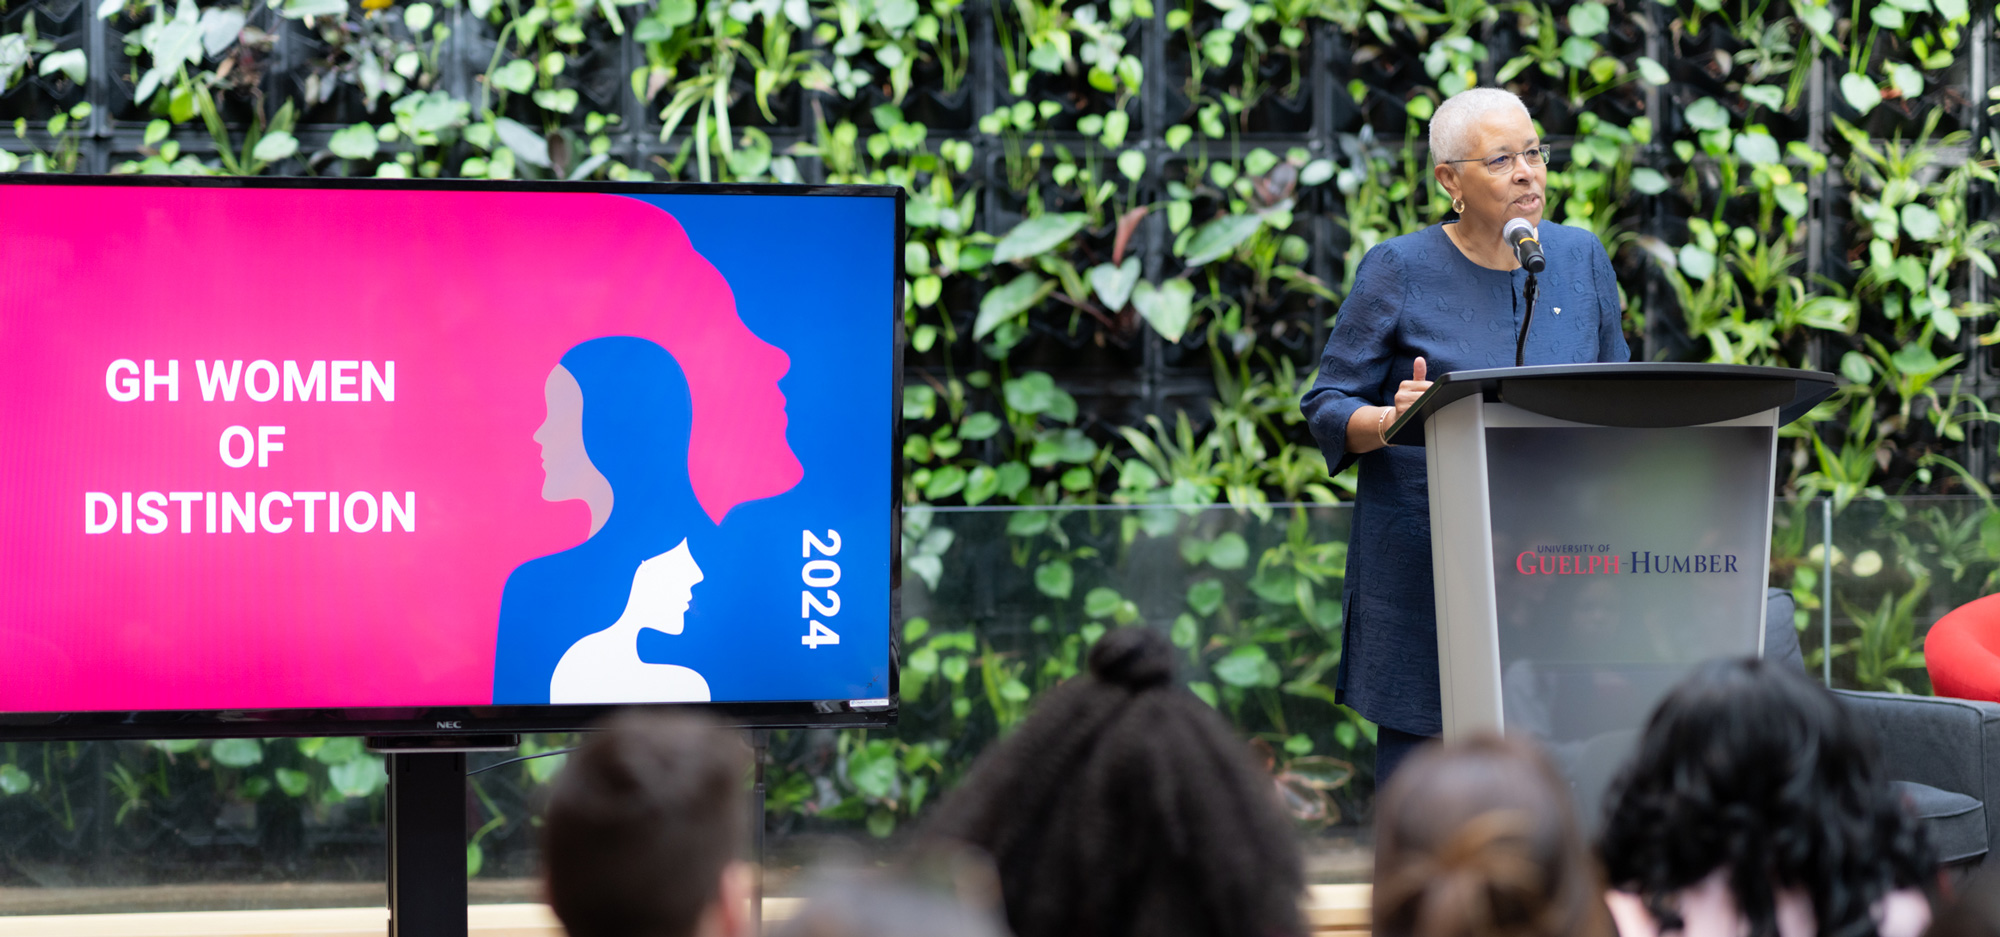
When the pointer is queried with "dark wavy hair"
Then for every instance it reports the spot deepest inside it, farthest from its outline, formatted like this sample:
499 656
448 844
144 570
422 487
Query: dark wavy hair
1754 768
1125 805
1479 839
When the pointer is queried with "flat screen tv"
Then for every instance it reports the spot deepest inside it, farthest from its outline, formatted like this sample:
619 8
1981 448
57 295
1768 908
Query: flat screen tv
402 458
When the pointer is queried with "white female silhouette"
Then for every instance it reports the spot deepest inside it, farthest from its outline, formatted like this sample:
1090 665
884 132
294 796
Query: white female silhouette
605 667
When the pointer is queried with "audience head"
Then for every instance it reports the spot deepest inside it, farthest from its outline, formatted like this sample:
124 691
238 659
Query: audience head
1751 767
1125 805
643 829
1478 839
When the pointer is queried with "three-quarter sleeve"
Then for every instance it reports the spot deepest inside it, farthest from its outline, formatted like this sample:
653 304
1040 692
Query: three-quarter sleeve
1611 344
1355 365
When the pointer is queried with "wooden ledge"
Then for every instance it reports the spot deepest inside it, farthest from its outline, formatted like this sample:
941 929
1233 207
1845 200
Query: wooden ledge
1331 909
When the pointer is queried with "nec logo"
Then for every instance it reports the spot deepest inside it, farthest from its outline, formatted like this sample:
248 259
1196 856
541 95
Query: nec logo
448 725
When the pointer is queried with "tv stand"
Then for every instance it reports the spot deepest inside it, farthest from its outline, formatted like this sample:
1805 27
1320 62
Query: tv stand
427 796
427 887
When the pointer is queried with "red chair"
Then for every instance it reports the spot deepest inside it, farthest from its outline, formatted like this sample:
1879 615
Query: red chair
1962 651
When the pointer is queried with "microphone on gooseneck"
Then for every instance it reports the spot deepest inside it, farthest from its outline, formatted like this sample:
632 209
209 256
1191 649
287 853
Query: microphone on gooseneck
1528 250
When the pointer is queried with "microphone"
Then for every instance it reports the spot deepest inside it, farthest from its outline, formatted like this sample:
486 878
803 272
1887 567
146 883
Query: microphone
1520 235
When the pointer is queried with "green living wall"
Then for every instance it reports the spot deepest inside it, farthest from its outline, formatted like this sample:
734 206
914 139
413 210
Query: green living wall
1131 222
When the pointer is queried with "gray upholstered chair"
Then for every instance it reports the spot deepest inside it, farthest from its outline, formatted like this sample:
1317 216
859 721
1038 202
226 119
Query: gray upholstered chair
1943 753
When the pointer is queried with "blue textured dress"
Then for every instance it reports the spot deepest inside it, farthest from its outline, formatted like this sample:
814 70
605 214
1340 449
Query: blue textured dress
1419 296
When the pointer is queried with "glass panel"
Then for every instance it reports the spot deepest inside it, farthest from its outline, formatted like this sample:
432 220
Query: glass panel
998 605
1898 566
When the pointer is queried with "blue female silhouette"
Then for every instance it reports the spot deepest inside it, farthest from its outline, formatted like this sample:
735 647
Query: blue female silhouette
616 438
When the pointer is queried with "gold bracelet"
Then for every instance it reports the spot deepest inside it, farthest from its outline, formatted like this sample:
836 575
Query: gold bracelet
1381 424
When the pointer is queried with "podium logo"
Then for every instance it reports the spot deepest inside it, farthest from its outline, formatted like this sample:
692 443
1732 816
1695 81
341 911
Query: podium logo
1545 562
1647 562
1588 560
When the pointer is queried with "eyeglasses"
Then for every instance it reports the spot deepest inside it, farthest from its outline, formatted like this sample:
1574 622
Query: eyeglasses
1504 163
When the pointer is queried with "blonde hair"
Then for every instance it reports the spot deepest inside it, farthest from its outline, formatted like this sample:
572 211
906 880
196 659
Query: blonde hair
1453 121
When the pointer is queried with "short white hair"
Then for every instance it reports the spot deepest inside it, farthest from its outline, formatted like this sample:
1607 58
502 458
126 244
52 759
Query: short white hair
1454 119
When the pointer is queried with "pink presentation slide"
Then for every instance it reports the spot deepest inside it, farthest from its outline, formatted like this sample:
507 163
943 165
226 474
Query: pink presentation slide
274 448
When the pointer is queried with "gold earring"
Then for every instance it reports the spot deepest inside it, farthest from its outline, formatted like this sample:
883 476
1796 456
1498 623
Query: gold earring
1458 205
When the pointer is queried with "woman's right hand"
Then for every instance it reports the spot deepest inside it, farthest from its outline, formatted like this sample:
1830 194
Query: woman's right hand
1408 392
1367 428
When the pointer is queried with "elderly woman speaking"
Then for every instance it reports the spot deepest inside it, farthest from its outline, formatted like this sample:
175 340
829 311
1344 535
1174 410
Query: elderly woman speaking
1443 299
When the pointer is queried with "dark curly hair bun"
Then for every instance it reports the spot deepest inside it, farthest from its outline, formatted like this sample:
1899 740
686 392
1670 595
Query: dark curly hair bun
1134 658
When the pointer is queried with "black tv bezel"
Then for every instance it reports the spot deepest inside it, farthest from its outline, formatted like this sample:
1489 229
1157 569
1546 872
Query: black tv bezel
485 720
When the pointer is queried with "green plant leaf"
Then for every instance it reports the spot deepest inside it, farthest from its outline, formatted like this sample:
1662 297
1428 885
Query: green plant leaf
1037 236
274 146
1860 92
1036 392
1007 301
1757 149
1886 16
69 62
1070 445
560 100
1101 602
1648 181
1247 666
1167 307
1855 367
1113 285
1651 72
338 750
872 769
358 778
945 481
528 146
300 9
1219 237
1921 222
1205 597
517 76
237 753
979 425
1186 631
1055 579
1589 19
981 483
1707 114
356 142
15 781
1696 263
1132 164
434 111
1772 98
1229 552
1906 79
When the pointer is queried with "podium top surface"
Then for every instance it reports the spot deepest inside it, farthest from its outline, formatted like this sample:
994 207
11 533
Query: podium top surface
1627 394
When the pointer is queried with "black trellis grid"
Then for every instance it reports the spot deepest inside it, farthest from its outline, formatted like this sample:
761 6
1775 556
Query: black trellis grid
1159 385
